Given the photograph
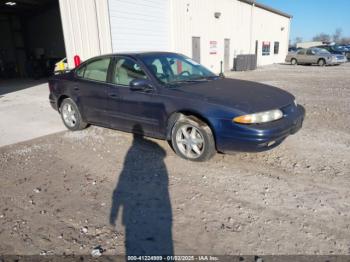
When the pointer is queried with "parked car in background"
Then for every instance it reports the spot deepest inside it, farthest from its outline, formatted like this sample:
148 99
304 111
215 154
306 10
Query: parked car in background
317 56
169 96
336 50
292 49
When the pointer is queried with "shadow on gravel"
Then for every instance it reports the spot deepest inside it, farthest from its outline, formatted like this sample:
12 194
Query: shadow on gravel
142 194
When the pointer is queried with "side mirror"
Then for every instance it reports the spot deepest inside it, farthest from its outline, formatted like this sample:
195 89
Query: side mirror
141 85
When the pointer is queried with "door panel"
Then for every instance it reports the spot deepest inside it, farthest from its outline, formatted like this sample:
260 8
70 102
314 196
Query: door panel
93 99
91 88
227 55
128 109
135 108
301 57
309 57
196 49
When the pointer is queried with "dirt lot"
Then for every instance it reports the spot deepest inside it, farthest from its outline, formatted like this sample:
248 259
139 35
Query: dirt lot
62 193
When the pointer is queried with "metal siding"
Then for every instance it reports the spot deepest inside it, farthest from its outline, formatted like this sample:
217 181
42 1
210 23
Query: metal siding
140 25
196 18
268 27
86 28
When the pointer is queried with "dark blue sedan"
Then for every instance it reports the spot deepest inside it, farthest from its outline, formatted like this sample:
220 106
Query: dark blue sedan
169 96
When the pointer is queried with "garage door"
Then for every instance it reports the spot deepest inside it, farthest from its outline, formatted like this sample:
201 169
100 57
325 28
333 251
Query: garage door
140 25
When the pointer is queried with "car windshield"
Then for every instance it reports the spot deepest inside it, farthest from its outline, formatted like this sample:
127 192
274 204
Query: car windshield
338 48
173 69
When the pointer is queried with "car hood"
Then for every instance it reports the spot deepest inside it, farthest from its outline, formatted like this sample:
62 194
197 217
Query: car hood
246 96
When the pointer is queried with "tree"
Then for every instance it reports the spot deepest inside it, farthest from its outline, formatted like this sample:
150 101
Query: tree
337 35
298 39
344 41
322 37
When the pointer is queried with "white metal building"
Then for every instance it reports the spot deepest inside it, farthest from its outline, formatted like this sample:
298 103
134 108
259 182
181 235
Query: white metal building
209 31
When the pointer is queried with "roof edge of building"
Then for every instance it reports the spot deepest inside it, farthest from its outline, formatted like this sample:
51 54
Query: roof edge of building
265 7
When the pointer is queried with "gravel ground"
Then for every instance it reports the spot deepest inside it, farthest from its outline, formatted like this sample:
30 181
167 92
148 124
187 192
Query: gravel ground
69 192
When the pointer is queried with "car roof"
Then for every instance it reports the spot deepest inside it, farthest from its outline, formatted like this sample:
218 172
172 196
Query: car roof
137 53
130 54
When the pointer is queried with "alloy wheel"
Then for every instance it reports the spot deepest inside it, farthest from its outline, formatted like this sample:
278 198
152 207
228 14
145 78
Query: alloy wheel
190 141
69 115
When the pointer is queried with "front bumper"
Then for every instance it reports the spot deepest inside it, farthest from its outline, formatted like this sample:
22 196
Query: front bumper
338 62
257 138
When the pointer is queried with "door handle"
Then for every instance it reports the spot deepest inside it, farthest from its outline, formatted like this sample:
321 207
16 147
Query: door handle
114 96
76 88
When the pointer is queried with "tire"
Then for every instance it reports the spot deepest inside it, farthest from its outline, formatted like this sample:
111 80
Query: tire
71 116
193 139
321 62
294 61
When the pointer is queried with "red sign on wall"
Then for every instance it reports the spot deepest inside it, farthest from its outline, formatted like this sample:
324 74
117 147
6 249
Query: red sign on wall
213 47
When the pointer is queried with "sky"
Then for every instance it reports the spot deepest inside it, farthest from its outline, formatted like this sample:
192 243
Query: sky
311 17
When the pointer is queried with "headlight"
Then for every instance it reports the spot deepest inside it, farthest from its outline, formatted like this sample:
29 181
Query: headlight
262 117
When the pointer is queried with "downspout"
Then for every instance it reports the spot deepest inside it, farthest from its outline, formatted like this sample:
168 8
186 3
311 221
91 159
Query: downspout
251 25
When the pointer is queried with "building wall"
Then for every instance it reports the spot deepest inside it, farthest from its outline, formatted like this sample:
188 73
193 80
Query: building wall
270 27
94 27
195 18
86 28
240 22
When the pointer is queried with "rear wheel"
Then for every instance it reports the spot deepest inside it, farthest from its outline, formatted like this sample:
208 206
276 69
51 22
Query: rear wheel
321 62
294 61
71 116
193 140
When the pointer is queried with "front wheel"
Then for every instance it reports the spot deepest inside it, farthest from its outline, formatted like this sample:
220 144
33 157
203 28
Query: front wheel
294 61
321 62
71 116
193 140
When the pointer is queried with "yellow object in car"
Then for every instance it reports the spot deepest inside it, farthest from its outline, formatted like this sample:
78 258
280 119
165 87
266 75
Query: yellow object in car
60 66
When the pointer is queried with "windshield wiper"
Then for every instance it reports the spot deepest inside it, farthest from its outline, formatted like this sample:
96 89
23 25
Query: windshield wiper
189 81
196 80
211 77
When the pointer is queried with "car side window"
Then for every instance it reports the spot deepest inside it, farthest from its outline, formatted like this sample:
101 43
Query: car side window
80 71
310 52
96 70
301 52
127 70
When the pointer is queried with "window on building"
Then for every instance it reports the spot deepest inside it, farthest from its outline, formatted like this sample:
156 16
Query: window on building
276 48
126 70
95 70
266 46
